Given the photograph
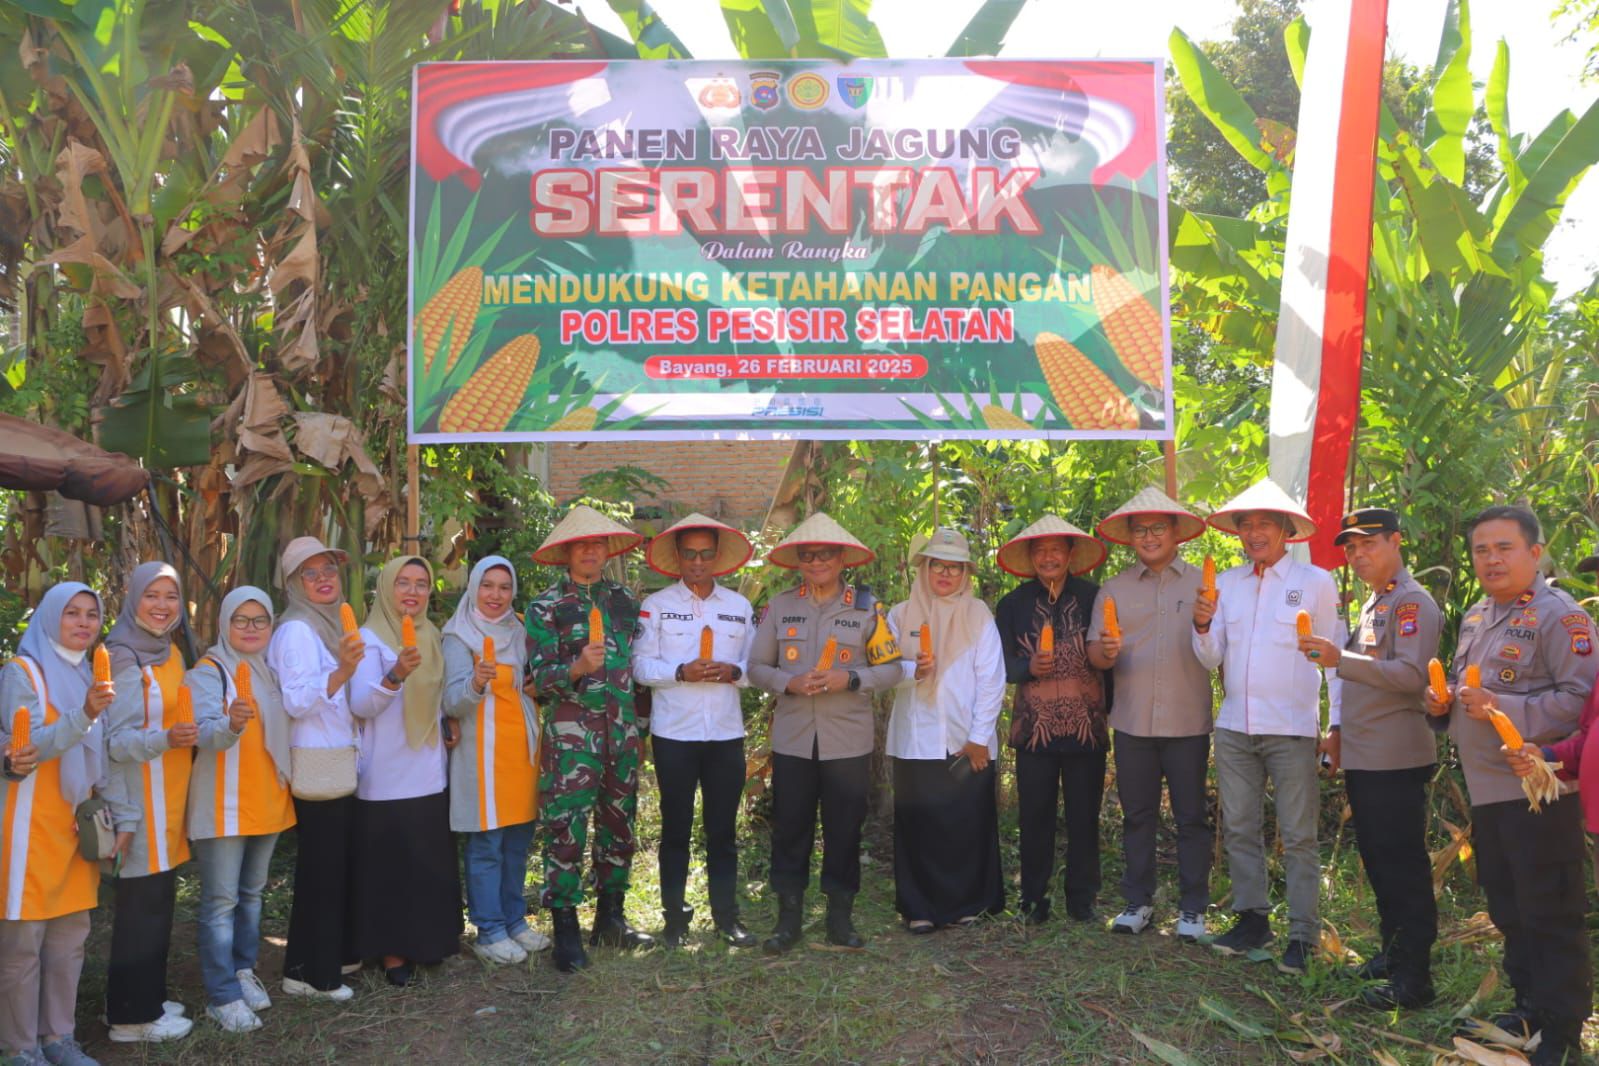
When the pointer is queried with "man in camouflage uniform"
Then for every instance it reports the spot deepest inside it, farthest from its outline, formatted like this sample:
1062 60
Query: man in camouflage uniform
592 731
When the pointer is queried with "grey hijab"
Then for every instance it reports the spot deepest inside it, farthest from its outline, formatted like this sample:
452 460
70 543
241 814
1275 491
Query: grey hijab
263 681
66 684
129 642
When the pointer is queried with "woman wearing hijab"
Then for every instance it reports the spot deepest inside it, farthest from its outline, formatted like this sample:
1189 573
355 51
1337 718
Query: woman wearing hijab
47 887
494 770
151 736
314 662
943 741
238 802
402 814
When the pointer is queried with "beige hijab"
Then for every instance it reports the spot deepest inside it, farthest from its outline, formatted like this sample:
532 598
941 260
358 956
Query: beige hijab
956 620
426 683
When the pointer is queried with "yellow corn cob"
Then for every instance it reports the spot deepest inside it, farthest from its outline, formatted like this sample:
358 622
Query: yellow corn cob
998 418
1113 625
1302 623
1131 325
580 421
1509 735
457 302
492 394
1437 679
1085 394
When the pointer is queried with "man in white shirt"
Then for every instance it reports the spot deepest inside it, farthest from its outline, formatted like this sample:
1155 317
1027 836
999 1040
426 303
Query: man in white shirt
1270 720
692 651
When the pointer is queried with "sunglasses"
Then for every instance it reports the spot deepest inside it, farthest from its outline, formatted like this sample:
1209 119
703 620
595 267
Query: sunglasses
816 555
690 555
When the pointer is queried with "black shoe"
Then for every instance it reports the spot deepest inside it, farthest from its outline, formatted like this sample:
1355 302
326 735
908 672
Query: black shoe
1080 912
790 916
1561 1045
840 928
1035 911
1250 932
676 928
1373 969
610 925
401 975
567 954
1397 995
1296 957
733 933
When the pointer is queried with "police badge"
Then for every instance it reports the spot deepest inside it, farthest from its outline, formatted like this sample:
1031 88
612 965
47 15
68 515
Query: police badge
763 89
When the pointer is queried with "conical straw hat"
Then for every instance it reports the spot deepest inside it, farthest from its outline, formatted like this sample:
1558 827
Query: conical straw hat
1265 495
733 548
821 531
581 523
1086 552
1117 527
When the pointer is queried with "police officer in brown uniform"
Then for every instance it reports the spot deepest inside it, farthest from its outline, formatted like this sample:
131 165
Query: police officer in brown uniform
1387 751
822 724
1535 648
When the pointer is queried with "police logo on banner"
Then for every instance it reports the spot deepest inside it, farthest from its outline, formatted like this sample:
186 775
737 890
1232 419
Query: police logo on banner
854 91
763 89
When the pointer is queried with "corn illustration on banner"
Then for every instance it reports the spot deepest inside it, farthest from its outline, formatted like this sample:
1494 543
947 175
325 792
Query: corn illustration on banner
800 249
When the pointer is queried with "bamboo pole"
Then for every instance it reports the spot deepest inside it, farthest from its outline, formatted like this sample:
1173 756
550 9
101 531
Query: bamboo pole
413 497
932 451
1168 449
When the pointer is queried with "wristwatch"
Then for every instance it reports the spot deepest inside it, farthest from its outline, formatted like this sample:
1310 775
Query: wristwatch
393 681
679 675
738 672
854 681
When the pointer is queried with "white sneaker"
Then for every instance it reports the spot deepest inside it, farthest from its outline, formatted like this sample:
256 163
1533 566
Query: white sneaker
531 940
501 953
235 1017
1132 920
166 1027
1190 926
350 967
174 1008
255 993
291 987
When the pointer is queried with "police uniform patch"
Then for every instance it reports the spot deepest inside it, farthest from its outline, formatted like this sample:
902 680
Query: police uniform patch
643 614
1407 616
1581 636
1473 619
791 654
1507 675
849 596
1295 597
845 655
792 631
1511 652
1382 608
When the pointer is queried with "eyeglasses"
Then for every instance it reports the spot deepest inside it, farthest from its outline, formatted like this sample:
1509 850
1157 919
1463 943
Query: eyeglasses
816 555
944 569
403 585
252 622
323 574
689 555
1154 529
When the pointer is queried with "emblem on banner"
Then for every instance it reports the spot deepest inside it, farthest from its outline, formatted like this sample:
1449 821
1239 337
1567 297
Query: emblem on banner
854 91
719 93
763 90
807 91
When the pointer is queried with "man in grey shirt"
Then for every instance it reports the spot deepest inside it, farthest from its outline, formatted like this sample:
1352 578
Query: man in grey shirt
1387 751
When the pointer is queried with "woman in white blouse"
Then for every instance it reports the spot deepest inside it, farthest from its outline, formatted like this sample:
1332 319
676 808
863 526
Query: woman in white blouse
402 813
943 741
314 661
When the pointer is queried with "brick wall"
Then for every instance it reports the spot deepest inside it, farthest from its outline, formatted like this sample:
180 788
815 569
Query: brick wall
729 480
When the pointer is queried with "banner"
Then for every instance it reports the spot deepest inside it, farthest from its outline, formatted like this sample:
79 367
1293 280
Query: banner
901 249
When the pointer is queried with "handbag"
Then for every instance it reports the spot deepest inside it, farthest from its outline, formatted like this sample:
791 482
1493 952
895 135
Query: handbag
97 836
322 773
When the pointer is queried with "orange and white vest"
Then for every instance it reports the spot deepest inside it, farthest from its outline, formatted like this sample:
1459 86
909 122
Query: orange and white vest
237 790
493 770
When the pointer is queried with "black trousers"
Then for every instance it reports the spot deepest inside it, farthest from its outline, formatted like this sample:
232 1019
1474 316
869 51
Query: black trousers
1390 817
1141 764
799 787
1534 869
1042 780
715 769
318 930
141 934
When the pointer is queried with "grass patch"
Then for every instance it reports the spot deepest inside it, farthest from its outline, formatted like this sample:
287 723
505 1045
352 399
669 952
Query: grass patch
998 992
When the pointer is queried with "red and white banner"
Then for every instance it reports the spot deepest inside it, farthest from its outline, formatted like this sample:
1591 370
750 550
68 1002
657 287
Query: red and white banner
1315 389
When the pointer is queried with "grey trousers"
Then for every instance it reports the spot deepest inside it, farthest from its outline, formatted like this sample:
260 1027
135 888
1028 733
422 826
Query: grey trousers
40 963
1243 764
1141 764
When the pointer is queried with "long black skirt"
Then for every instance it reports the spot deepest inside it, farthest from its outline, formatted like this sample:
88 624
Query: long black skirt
946 842
406 898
